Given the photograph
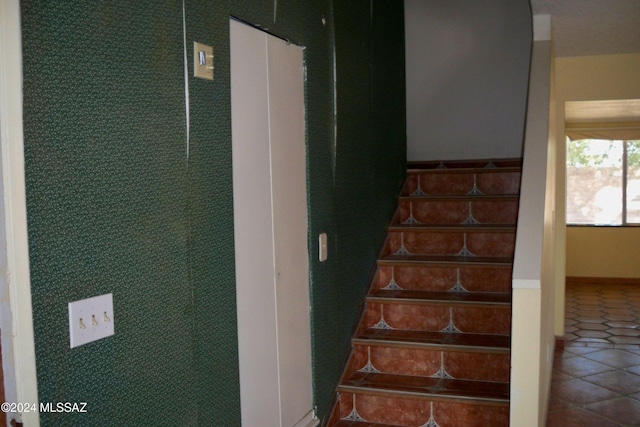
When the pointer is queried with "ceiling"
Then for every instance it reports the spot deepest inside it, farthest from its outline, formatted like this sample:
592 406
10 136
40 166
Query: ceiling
592 27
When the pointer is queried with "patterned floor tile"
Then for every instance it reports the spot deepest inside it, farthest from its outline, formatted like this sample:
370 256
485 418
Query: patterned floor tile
596 376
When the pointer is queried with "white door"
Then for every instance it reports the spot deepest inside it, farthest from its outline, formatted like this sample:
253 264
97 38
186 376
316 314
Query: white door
270 215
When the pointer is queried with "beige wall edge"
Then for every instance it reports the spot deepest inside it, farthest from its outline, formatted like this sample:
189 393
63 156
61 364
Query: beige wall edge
534 264
15 280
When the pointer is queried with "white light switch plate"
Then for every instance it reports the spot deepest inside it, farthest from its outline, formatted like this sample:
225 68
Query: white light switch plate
91 319
322 247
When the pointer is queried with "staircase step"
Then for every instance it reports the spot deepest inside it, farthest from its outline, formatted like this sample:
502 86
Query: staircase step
430 276
450 362
431 339
448 210
462 198
426 387
464 164
348 423
462 181
433 345
506 228
464 318
440 297
376 407
428 169
450 260
456 240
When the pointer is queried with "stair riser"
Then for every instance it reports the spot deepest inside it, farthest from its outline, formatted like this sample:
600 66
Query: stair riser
445 212
430 363
442 183
435 318
408 411
497 244
443 278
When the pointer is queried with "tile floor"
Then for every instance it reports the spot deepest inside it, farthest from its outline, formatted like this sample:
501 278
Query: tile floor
596 377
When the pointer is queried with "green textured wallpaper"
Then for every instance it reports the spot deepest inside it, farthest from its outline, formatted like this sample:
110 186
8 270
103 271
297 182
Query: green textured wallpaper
122 199
107 201
370 148
210 192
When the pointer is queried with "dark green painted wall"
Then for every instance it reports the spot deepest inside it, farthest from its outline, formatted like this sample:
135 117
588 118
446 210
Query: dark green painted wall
370 146
120 199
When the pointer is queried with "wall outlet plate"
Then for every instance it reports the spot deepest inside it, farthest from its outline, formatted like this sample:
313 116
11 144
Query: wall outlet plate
91 319
322 247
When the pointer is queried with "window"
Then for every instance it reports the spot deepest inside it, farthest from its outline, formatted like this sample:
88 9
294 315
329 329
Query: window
603 182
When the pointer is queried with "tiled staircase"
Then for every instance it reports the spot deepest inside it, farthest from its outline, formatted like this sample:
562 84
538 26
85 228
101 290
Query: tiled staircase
433 345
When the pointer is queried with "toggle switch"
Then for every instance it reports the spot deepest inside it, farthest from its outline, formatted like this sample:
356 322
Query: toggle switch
90 319
202 61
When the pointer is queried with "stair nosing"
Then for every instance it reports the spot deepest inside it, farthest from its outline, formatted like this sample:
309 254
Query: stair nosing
444 260
452 303
432 396
439 171
352 423
445 347
463 197
490 164
477 228
431 339
451 395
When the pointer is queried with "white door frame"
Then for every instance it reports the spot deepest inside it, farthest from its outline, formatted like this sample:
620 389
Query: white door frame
18 347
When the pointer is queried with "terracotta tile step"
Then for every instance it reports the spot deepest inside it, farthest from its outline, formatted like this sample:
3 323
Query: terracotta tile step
451 242
489 164
448 298
426 387
430 362
398 410
462 198
347 423
463 170
444 277
449 260
430 339
432 210
462 182
454 228
492 319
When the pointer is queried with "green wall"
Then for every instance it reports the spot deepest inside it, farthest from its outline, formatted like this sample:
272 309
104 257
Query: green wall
121 199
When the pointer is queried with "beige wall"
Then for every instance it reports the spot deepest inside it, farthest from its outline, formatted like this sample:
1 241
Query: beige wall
603 252
585 78
608 251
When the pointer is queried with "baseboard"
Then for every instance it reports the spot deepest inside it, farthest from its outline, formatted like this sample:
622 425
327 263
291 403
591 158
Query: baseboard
575 280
